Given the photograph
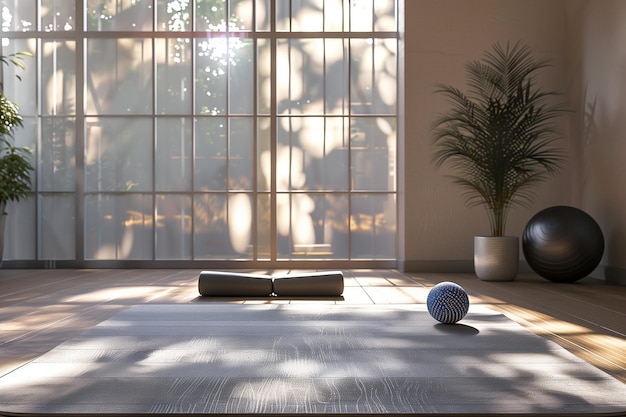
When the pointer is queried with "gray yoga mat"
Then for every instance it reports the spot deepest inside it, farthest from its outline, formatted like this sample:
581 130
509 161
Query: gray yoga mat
308 358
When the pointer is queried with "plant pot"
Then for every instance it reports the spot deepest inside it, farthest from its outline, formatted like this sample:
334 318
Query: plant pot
496 258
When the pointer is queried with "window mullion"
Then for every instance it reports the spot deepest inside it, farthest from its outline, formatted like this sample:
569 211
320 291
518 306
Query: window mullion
80 130
273 133
193 137
154 134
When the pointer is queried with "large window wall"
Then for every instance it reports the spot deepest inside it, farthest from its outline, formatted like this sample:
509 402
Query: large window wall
258 131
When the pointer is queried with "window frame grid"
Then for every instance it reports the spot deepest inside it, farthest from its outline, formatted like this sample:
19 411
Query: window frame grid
81 37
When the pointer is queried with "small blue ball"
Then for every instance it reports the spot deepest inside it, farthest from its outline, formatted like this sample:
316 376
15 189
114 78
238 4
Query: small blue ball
447 302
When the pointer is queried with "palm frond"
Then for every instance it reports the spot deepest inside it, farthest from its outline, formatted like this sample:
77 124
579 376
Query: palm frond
501 135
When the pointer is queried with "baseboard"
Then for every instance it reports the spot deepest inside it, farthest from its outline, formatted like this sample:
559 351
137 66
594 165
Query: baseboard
448 266
458 266
610 274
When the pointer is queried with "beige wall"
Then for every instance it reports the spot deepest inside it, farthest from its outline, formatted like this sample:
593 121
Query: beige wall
441 36
601 56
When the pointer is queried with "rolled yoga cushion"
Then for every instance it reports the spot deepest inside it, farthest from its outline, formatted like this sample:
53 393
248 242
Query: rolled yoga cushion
310 284
234 284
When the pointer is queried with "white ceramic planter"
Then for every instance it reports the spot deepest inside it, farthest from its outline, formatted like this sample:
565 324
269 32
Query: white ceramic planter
496 258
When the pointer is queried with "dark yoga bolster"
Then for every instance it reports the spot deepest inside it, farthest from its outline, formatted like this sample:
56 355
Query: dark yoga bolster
233 284
310 284
236 284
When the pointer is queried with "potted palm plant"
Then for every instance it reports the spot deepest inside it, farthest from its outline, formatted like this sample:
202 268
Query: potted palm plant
500 139
15 166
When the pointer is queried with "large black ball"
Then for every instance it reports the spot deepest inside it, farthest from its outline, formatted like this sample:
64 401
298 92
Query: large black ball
563 244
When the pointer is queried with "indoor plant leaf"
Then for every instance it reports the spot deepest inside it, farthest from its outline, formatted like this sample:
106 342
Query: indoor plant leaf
499 137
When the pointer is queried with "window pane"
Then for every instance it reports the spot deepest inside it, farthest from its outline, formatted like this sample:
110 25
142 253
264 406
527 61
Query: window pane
312 15
307 15
324 142
173 154
119 76
313 154
264 80
58 222
373 226
240 216
118 15
334 219
373 153
215 237
283 225
209 226
385 16
334 15
57 155
211 151
283 15
316 74
289 159
18 16
118 226
211 76
118 154
23 92
373 75
173 15
317 224
173 227
21 230
300 62
241 12
386 86
264 154
241 154
264 223
362 15
262 15
285 90
336 84
241 76
57 15
58 75
362 76
27 136
211 16
173 90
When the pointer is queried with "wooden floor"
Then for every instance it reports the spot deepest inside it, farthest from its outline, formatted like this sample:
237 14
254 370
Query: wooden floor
39 309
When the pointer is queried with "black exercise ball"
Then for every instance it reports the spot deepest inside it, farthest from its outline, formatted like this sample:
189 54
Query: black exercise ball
563 244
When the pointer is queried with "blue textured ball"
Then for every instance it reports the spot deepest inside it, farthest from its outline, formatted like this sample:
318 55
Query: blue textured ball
447 302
